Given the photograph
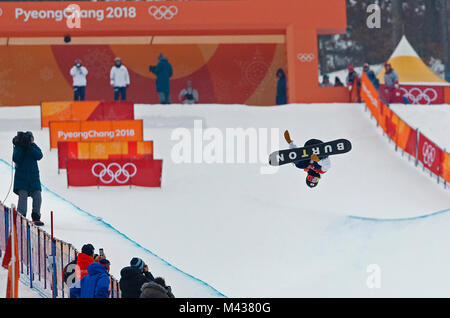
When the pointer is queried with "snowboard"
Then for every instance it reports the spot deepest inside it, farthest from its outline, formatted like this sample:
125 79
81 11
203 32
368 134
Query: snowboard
335 147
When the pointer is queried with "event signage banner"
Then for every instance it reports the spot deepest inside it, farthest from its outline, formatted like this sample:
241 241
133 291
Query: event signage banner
430 155
120 130
103 150
137 172
85 110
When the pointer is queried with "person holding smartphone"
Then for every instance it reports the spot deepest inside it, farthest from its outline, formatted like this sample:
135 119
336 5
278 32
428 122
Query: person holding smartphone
79 73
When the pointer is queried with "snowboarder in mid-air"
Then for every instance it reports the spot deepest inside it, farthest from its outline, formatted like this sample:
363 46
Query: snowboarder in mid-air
313 166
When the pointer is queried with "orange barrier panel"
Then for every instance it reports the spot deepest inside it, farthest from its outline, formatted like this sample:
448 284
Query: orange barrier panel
24 23
103 150
447 94
123 130
446 167
371 97
405 137
85 110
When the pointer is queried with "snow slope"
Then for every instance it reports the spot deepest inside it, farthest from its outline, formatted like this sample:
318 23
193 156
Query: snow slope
432 120
218 229
24 290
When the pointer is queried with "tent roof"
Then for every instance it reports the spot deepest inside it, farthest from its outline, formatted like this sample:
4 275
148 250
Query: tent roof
410 67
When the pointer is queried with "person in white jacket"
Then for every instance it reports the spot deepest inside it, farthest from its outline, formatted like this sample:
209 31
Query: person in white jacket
188 95
120 79
79 73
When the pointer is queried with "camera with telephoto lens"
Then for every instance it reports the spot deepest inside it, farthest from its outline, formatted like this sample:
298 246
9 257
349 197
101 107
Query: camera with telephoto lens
152 68
22 139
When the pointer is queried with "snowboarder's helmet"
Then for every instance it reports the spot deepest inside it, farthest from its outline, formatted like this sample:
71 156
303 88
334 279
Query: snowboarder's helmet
312 181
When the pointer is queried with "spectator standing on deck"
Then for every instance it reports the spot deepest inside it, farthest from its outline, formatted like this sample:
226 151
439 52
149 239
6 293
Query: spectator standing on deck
79 73
119 79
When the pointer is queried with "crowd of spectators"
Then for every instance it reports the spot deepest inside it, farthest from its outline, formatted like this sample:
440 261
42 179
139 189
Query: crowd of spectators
120 81
353 81
88 277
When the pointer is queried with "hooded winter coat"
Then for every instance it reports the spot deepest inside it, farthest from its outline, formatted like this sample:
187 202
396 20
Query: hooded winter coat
83 262
163 72
131 281
27 171
154 290
94 285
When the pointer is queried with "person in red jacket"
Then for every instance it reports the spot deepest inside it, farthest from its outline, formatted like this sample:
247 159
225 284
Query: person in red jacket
84 259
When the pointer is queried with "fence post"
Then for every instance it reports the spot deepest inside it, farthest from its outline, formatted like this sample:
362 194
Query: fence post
62 268
45 261
30 266
445 181
39 253
21 245
54 284
6 223
417 146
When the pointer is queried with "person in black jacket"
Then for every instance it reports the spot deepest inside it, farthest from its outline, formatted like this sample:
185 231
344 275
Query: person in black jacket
281 88
133 277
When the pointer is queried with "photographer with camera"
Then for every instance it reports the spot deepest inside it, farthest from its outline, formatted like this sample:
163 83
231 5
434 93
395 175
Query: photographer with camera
27 183
78 73
133 277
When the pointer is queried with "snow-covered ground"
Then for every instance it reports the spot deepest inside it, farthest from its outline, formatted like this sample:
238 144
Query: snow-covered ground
24 290
228 229
432 120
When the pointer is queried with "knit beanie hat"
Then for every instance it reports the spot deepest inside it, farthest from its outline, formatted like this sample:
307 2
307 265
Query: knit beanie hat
137 262
88 249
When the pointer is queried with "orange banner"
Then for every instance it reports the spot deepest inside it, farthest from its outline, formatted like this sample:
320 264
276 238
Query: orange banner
85 110
446 167
103 150
371 97
123 130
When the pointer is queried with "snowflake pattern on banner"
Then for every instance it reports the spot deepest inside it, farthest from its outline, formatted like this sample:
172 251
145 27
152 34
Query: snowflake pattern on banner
5 84
98 63
253 71
46 73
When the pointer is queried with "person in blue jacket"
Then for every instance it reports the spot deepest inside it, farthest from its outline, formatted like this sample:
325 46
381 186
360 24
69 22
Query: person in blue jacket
281 88
27 183
94 285
163 71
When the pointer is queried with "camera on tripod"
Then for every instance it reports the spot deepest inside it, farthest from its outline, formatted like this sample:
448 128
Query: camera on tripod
23 139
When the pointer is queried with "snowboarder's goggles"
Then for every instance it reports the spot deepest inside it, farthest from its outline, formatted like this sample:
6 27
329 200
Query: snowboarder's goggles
312 179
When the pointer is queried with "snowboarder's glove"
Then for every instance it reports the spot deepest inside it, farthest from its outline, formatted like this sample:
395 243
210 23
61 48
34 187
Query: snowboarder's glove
287 137
315 158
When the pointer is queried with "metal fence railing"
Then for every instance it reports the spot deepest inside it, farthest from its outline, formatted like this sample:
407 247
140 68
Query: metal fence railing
41 258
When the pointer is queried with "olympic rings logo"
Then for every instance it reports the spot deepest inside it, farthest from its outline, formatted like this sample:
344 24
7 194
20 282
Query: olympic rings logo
429 154
306 57
416 95
113 172
163 12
